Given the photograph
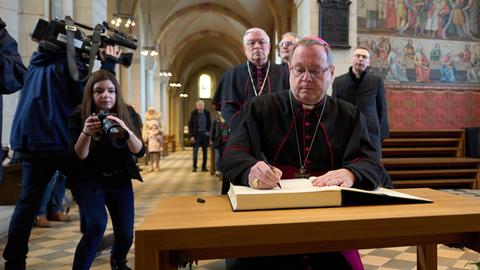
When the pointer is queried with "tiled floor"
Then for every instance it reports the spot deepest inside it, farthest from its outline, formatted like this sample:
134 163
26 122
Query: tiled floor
53 248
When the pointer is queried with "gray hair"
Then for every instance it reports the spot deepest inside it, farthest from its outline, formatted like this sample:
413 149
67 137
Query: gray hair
255 30
200 102
310 42
295 35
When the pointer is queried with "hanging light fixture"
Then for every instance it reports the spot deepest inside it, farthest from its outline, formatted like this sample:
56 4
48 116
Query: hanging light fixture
118 17
149 49
165 73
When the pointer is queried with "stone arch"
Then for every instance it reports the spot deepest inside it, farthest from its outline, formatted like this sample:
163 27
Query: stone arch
211 7
192 39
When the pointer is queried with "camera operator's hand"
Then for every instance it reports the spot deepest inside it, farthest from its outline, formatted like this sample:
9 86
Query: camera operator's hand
120 122
134 143
110 51
92 125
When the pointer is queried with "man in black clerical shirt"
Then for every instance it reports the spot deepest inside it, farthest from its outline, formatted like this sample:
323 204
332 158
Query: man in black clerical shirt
362 88
256 77
199 128
303 133
285 45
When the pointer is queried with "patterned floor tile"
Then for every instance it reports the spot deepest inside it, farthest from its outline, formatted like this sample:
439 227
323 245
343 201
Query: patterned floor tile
375 260
53 248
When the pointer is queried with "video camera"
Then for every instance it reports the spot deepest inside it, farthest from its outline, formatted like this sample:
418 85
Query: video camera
52 36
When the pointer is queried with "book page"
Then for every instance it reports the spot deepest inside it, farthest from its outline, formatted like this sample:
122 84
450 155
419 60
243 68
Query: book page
295 193
297 185
394 193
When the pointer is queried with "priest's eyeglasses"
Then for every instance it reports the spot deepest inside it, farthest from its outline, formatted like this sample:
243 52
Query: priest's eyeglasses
260 42
286 44
300 71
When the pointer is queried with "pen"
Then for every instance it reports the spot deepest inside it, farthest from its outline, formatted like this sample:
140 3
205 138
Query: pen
264 159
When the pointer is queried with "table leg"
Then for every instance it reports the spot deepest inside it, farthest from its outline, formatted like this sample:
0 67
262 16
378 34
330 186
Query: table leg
427 257
146 256
164 262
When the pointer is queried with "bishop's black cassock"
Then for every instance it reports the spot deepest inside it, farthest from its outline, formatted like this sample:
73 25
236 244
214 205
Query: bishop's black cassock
236 88
341 141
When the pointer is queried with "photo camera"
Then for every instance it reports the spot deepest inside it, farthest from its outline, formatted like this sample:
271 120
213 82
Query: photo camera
51 35
117 135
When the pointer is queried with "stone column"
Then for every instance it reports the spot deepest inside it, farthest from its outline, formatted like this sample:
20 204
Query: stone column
307 14
143 89
21 18
164 102
126 85
149 81
137 84
156 91
90 12
67 7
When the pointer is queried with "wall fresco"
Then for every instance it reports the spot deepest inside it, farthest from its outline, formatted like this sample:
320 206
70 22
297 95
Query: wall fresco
422 41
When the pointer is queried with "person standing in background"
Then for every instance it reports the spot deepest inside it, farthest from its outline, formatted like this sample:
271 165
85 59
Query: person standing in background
218 140
285 45
256 77
155 147
199 129
152 117
362 88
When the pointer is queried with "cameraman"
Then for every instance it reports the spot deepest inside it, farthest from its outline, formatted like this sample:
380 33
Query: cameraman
102 169
40 135
11 74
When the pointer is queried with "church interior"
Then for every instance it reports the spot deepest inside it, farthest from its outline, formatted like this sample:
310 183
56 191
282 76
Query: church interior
428 59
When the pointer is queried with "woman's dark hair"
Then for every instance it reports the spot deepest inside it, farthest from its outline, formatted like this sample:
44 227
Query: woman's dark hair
119 108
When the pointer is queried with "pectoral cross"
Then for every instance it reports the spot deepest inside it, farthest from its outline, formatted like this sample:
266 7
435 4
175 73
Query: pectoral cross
302 173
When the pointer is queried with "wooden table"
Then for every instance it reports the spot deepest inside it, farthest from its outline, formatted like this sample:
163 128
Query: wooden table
180 229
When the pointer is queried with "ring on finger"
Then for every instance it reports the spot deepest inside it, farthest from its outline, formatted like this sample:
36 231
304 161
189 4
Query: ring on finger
255 183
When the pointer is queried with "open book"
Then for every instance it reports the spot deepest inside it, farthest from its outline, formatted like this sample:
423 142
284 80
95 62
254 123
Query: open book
300 193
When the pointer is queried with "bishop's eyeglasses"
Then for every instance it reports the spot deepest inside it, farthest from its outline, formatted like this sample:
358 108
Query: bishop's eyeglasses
299 71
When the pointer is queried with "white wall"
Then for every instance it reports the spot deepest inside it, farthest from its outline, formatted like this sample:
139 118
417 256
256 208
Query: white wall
307 24
21 17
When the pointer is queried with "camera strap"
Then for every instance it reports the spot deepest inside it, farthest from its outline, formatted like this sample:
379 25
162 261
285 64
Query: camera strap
70 29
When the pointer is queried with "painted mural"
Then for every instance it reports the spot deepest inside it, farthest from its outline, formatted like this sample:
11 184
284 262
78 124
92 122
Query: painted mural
422 41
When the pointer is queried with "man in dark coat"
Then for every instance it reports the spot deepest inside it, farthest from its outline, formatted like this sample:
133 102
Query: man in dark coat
199 127
256 77
302 133
361 87
40 134
11 75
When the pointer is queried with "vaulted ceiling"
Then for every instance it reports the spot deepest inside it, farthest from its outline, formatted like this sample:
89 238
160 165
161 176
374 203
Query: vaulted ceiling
191 35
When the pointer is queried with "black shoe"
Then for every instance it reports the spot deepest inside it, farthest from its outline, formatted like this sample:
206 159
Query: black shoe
194 170
119 266
204 170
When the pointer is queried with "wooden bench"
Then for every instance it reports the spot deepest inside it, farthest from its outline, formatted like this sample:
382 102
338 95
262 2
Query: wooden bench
432 143
171 143
434 158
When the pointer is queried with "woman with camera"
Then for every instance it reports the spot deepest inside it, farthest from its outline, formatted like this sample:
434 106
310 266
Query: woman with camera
103 142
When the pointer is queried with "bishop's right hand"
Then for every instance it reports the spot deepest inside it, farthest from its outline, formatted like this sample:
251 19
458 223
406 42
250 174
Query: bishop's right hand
264 176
